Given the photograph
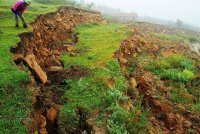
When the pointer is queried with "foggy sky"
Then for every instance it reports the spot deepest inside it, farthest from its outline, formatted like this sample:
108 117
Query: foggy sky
186 10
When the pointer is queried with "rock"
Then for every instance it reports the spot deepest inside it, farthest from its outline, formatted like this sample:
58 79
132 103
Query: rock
134 55
43 51
181 108
67 27
161 88
56 52
138 50
195 119
151 132
146 83
110 82
127 51
123 60
43 122
38 34
187 124
52 115
128 105
57 62
155 97
55 68
70 48
31 61
72 54
170 120
95 129
155 47
43 131
18 57
98 130
133 83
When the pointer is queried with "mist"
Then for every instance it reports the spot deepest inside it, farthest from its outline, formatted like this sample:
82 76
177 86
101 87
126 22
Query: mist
185 10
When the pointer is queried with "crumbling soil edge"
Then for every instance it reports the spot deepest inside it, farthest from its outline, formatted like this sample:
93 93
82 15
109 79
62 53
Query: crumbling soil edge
40 50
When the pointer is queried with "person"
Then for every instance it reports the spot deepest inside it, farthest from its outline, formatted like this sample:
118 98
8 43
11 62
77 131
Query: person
18 9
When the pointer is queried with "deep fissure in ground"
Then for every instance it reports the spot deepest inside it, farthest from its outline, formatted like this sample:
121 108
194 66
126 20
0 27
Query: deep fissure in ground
40 52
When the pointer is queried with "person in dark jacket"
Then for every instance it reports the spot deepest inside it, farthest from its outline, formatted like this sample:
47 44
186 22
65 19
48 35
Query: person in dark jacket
18 9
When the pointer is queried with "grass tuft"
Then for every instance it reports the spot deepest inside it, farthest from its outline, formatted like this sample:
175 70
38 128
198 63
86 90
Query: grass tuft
174 67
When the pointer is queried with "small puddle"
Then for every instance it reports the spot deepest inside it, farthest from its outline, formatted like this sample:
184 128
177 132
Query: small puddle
195 47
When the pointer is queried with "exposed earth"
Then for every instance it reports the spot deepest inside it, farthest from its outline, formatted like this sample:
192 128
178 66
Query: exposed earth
167 116
147 81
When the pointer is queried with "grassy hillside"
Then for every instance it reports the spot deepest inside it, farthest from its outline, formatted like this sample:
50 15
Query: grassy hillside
151 87
102 94
14 97
96 49
97 55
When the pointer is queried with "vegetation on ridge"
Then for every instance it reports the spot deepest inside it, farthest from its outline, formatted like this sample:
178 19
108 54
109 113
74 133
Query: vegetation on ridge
102 101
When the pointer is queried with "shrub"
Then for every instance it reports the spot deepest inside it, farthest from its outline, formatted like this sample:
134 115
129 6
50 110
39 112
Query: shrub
180 95
114 128
196 106
94 94
121 121
188 74
175 67
193 39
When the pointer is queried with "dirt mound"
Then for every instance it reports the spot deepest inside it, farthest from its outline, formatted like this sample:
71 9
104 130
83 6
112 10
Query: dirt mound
164 117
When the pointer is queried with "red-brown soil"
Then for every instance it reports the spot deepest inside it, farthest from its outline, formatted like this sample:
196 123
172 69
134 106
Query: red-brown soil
164 118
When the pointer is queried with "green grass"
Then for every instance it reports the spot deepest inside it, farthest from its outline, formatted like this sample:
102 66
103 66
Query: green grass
95 51
176 37
196 106
93 94
14 99
178 70
194 90
175 67
101 42
180 95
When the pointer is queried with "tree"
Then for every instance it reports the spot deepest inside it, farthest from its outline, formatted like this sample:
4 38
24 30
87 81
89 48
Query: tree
179 23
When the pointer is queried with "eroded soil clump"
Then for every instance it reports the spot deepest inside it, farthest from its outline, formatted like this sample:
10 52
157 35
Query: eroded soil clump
135 56
40 51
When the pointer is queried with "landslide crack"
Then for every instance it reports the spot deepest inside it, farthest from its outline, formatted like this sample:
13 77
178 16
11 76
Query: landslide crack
40 51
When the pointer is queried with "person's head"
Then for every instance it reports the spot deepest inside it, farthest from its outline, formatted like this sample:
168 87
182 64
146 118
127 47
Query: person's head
27 3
